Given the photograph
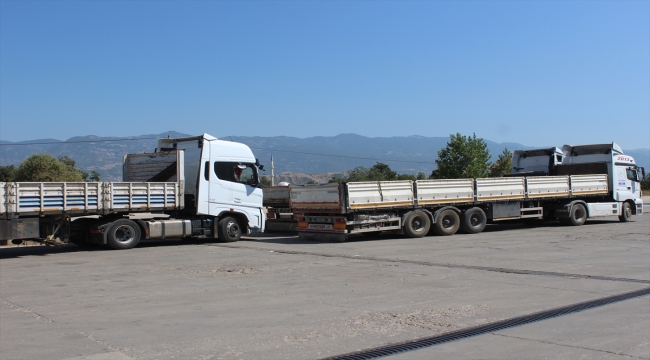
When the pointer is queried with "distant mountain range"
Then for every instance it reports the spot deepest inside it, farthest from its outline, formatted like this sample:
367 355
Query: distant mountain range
314 155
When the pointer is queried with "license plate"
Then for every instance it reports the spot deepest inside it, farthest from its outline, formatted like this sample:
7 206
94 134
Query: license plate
321 226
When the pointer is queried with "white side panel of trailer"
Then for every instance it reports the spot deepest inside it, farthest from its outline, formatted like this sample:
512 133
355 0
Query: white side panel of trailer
57 197
547 186
588 184
315 197
3 200
276 195
376 194
501 189
144 196
445 191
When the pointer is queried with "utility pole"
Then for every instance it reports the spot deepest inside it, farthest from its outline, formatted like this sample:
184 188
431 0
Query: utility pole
272 172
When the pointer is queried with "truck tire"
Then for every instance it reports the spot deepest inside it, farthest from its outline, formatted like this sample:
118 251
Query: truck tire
123 234
229 230
447 222
626 212
578 215
473 221
416 224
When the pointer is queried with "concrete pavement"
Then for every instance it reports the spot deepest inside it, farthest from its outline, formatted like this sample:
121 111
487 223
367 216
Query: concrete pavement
277 297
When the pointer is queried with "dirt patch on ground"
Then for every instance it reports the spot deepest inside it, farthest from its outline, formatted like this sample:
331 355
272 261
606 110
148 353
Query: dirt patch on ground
206 271
437 320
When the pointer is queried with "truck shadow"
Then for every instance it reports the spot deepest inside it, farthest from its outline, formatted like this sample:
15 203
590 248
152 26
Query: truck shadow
285 238
40 250
288 238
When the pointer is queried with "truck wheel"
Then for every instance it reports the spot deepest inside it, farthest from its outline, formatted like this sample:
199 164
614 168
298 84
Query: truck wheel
229 230
473 221
447 222
416 224
578 215
123 234
626 213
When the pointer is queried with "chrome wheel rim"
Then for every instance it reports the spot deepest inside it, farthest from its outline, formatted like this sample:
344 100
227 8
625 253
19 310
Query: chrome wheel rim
232 229
124 234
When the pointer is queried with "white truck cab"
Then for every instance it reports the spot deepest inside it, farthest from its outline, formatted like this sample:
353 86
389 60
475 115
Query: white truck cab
624 176
221 178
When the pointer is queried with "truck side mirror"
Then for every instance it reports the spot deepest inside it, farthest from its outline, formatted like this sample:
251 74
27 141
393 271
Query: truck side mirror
259 166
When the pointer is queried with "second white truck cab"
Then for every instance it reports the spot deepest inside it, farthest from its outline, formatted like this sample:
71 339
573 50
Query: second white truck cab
624 176
536 161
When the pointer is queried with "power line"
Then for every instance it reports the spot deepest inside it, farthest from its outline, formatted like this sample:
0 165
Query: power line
252 147
344 156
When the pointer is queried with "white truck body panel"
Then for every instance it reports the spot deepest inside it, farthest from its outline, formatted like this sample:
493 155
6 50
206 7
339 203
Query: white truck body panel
588 184
445 191
86 198
493 189
324 197
547 186
278 196
3 202
380 194
145 196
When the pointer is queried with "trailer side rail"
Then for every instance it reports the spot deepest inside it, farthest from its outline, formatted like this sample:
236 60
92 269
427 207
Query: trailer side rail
86 198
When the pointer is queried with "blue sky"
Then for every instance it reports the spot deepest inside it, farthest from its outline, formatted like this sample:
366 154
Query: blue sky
533 72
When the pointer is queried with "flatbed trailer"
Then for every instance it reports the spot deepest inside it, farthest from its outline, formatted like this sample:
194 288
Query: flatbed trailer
417 208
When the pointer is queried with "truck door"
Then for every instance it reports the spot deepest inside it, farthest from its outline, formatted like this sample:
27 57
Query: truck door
220 190
241 179
625 185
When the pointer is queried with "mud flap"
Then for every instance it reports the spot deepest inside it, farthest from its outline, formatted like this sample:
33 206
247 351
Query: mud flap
338 238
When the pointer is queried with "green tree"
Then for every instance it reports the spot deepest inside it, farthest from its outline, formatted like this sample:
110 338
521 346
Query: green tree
378 172
72 167
421 176
265 181
311 182
7 173
359 173
503 165
406 177
94 176
45 167
381 172
463 157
